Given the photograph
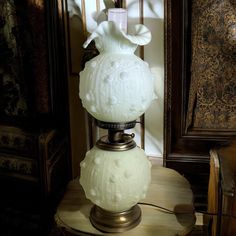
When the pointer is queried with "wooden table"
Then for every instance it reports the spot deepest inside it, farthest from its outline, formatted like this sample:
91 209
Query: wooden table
168 189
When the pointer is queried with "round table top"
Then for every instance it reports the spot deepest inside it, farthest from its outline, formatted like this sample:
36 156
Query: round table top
168 189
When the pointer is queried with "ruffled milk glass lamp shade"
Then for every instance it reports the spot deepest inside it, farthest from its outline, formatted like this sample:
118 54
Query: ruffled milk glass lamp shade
116 87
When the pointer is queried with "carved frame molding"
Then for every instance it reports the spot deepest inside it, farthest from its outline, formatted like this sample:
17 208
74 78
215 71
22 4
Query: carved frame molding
181 146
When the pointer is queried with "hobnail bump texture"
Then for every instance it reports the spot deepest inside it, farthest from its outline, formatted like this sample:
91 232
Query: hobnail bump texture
115 181
116 85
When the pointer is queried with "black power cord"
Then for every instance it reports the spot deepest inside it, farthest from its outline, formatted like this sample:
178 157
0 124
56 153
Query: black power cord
174 212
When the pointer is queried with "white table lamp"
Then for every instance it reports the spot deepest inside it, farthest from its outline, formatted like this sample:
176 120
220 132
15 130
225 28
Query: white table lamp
116 87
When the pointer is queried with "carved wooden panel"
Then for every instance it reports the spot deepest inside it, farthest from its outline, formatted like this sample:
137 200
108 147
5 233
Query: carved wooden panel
32 71
34 122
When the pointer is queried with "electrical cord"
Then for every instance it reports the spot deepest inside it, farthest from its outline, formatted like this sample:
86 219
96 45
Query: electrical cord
159 207
174 212
216 214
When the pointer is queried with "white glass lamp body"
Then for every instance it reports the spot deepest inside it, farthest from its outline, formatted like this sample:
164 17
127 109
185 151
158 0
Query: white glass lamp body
116 85
115 181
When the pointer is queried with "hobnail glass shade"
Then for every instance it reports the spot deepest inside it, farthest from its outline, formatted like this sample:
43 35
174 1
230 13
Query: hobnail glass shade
116 85
115 181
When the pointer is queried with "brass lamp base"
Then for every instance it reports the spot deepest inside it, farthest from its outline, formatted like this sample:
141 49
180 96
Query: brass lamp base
115 222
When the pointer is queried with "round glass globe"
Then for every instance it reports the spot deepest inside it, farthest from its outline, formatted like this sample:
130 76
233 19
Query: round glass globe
116 87
115 181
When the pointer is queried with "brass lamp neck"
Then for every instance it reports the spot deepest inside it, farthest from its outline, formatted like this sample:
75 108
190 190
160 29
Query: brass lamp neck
116 140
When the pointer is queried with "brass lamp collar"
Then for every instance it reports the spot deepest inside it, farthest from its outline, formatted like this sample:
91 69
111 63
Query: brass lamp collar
125 142
116 140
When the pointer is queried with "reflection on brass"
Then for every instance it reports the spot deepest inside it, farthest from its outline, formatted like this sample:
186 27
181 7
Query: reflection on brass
116 140
115 125
84 17
126 143
212 94
113 222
